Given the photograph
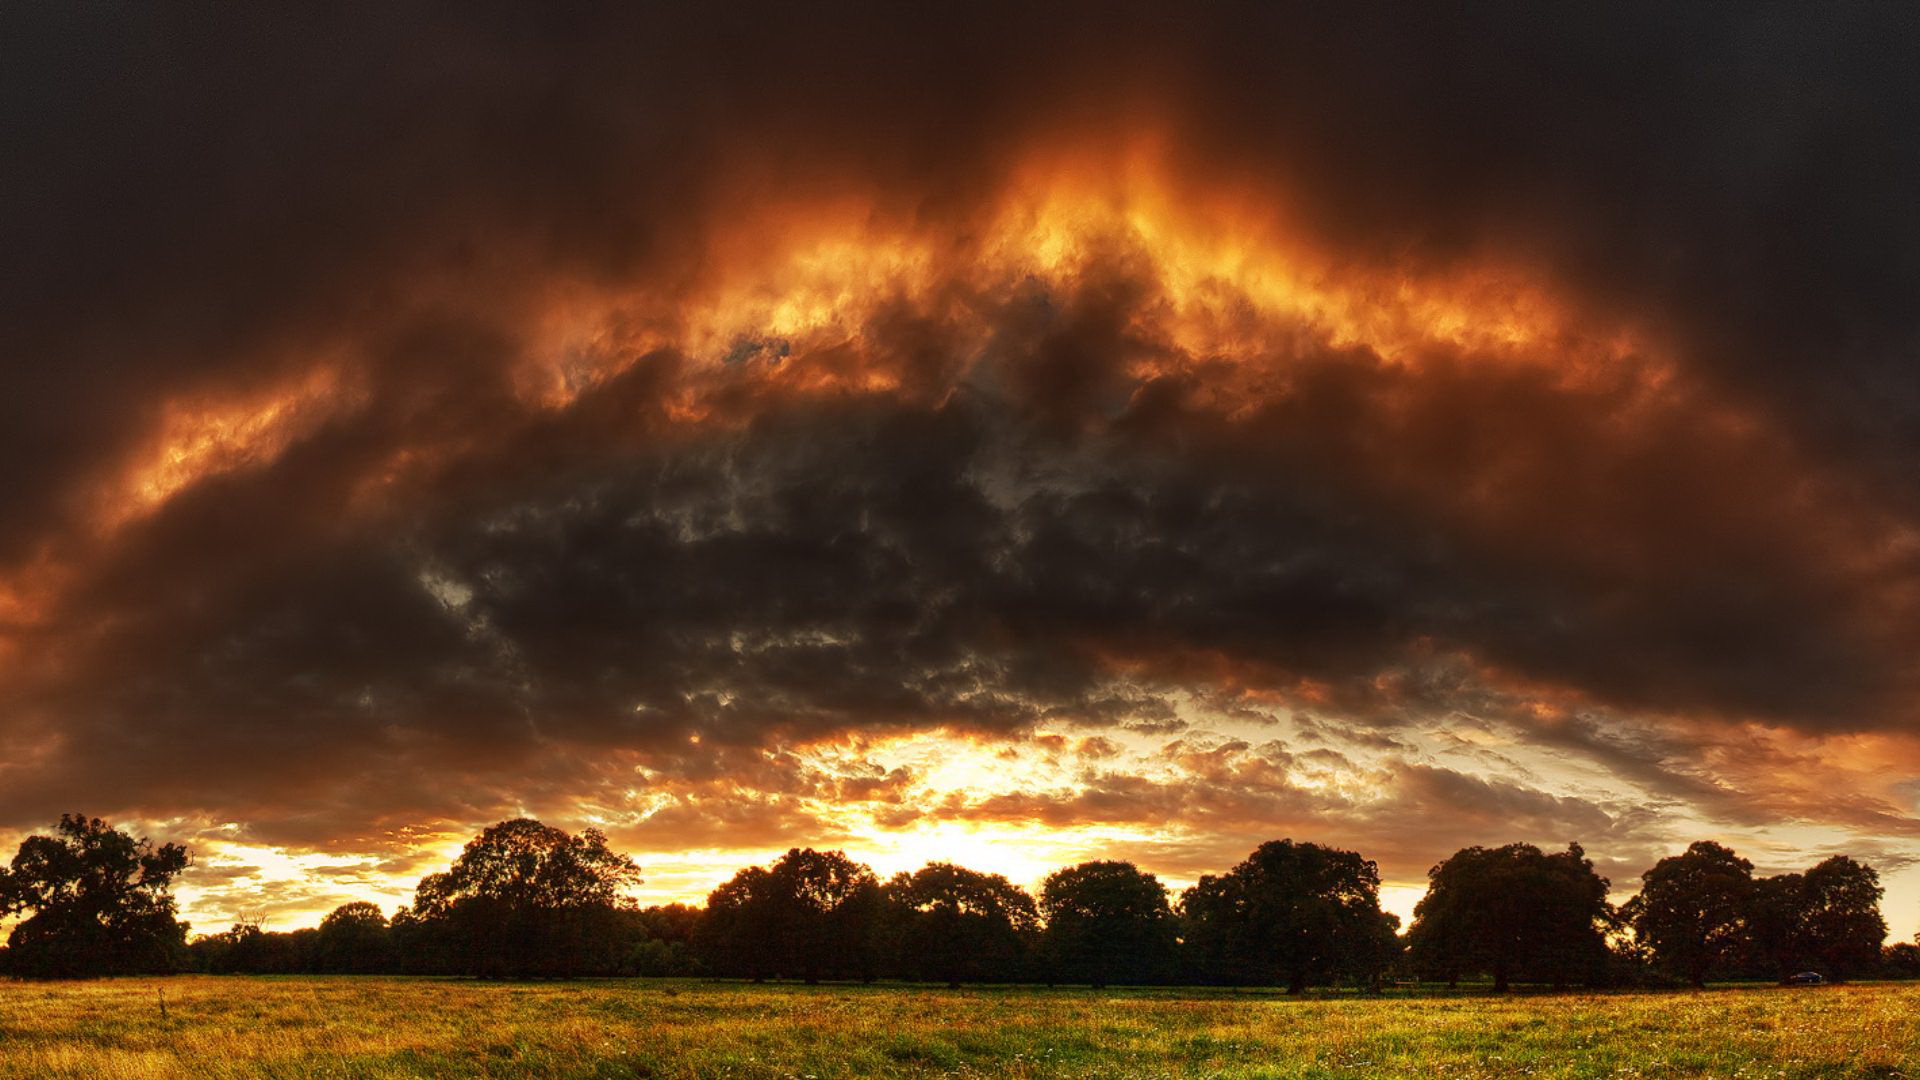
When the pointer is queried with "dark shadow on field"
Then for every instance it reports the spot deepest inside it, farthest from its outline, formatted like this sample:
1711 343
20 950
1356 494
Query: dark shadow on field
1435 991
694 986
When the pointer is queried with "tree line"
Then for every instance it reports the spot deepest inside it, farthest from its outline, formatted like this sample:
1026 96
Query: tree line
526 900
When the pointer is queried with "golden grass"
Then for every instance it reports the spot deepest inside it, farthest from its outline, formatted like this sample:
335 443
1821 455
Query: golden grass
384 1028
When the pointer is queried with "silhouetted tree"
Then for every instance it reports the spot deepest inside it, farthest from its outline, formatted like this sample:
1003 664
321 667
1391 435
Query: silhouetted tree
225 953
354 940
1107 922
1827 918
838 901
955 925
97 903
810 915
1776 938
1844 927
526 899
247 949
1515 913
1291 914
419 947
1692 911
666 940
671 922
740 933
1901 960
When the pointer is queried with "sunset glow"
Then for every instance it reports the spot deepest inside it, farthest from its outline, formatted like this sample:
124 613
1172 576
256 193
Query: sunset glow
1135 452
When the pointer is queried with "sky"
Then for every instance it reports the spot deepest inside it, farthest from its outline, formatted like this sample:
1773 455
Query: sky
1009 435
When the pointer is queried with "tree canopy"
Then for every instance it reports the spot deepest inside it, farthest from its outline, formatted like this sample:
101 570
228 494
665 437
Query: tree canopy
1107 922
1827 919
97 901
1296 914
1513 912
353 939
1693 909
813 915
527 899
958 925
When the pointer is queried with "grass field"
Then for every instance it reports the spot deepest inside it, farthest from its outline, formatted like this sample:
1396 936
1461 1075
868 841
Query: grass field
377 1027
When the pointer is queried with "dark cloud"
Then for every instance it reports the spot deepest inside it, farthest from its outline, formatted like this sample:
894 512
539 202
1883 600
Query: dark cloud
870 564
213 187
998 503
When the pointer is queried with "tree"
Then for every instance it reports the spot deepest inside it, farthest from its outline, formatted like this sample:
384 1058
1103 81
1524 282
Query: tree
811 915
247 949
1291 913
419 946
741 931
671 922
668 934
98 901
1777 939
1827 918
1693 909
836 902
229 952
1840 917
956 925
1106 922
1901 960
354 940
526 899
1513 912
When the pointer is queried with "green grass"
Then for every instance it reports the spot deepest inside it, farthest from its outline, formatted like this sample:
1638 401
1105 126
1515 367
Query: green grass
387 1028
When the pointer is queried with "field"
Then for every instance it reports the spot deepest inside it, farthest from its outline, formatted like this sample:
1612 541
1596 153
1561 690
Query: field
350 1027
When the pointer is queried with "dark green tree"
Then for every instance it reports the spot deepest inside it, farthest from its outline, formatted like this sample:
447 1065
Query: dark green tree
1776 930
1513 912
955 925
1692 911
1292 914
526 899
811 915
96 901
354 939
420 947
1106 922
247 949
1840 917
666 940
741 931
1827 919
1901 960
837 902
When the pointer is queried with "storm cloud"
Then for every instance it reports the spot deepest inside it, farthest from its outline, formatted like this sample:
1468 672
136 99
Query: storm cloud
418 415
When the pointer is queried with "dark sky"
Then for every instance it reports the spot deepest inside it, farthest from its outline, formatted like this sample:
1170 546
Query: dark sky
1010 434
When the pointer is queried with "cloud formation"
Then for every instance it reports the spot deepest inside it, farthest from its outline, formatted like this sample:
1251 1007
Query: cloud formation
1298 421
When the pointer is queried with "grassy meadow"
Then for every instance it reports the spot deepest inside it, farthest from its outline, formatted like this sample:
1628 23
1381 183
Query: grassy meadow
352 1027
